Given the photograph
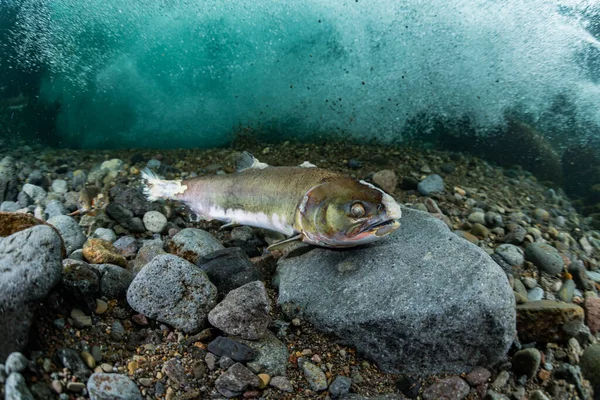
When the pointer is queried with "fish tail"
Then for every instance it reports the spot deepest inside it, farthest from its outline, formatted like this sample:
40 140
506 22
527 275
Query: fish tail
156 188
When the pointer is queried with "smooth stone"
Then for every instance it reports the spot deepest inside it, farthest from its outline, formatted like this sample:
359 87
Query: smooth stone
375 294
545 257
224 346
60 186
244 312
16 388
114 280
340 386
548 321
512 254
99 251
103 386
314 376
55 208
431 184
176 372
592 314
70 231
566 291
36 193
594 276
79 179
590 365
119 213
228 269
526 362
16 362
192 243
478 376
174 291
281 383
535 294
269 354
477 217
9 206
127 246
149 250
453 388
105 234
386 179
30 266
538 395
154 221
236 380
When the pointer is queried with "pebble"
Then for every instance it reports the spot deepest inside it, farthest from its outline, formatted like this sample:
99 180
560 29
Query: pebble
526 362
535 294
228 269
593 275
101 306
512 254
192 244
70 231
102 386
36 193
270 354
98 251
175 371
105 234
80 320
501 380
57 386
54 208
566 291
431 184
154 221
88 359
538 395
478 376
592 314
386 179
9 206
76 387
16 388
590 365
545 257
314 376
529 282
449 388
60 186
106 367
71 360
264 380
541 215
16 362
236 380
223 346
477 217
282 383
340 387
114 280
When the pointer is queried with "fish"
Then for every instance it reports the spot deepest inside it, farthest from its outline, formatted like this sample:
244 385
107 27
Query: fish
305 203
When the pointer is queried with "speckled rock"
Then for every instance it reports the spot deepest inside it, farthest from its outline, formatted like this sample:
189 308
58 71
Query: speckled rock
70 231
236 380
548 321
431 184
174 291
314 376
545 257
30 265
270 355
192 243
102 386
16 388
453 388
244 312
465 317
154 221
98 251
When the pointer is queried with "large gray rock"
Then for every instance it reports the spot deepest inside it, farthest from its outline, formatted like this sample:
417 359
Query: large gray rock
30 265
420 300
173 290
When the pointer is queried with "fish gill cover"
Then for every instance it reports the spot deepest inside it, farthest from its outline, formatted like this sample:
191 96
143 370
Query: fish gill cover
187 73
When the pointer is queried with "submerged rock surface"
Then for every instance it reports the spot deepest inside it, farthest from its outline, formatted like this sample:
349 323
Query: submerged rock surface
421 300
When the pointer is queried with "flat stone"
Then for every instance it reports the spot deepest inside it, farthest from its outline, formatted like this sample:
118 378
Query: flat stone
419 300
282 383
223 346
270 355
244 312
99 251
192 244
103 386
545 257
105 234
566 291
526 362
314 376
175 371
236 380
548 321
127 246
174 291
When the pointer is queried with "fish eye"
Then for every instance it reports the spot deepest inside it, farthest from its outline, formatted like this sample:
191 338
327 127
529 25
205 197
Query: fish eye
357 210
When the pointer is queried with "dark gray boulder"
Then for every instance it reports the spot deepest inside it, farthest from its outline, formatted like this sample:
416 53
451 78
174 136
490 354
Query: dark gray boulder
420 300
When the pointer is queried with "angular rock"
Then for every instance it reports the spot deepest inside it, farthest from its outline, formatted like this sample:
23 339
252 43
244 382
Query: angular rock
98 251
59 186
244 312
149 250
172 290
16 388
30 265
270 355
175 371
9 206
419 300
282 383
71 360
114 280
119 213
70 231
192 243
228 269
548 321
236 380
102 386
223 346
16 362
545 257
453 388
340 386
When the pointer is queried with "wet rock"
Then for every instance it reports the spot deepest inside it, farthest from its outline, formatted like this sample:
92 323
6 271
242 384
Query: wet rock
174 291
71 360
98 251
228 269
55 208
59 186
80 284
9 206
386 179
102 386
244 312
105 234
477 217
314 376
236 380
119 213
223 346
127 246
453 388
592 314
324 284
541 215
535 294
8 180
516 234
154 221
36 193
269 354
448 168
16 362
512 254
567 290
431 184
282 383
340 386
175 371
149 250
30 265
192 243
548 321
16 388
114 280
590 365
545 257
478 376
526 362
70 231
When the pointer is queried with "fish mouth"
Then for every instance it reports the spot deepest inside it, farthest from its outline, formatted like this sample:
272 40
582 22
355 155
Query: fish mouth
382 228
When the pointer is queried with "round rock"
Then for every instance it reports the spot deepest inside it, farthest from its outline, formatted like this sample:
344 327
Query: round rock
545 257
431 184
70 231
512 254
155 221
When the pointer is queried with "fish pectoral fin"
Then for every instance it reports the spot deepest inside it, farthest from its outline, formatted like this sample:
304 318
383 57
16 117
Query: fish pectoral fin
282 245
230 224
248 161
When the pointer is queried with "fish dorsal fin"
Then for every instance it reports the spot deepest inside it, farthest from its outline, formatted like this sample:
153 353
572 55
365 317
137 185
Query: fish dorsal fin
248 161
307 164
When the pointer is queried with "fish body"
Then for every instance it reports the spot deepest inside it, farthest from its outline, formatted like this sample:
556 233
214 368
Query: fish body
314 205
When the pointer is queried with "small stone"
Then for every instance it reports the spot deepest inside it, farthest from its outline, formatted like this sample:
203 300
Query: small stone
155 221
480 231
386 179
526 362
225 362
98 251
282 383
538 395
57 386
127 246
97 353
541 215
314 376
211 361
529 282
512 254
55 208
60 186
236 380
590 365
70 231
175 371
101 306
16 362
567 290
264 380
16 388
501 380
431 184
105 234
545 257
477 217
88 359
340 387
228 269
192 244
102 386
478 376
114 280
223 346
146 381
35 192
75 387
592 314
535 294
80 320
449 388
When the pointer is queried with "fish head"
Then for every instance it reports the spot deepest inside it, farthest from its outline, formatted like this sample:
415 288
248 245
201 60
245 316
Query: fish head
344 212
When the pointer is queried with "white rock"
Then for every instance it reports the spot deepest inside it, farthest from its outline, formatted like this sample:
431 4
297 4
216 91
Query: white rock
155 221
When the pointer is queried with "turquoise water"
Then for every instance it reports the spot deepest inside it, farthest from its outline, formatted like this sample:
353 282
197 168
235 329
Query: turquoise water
117 73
